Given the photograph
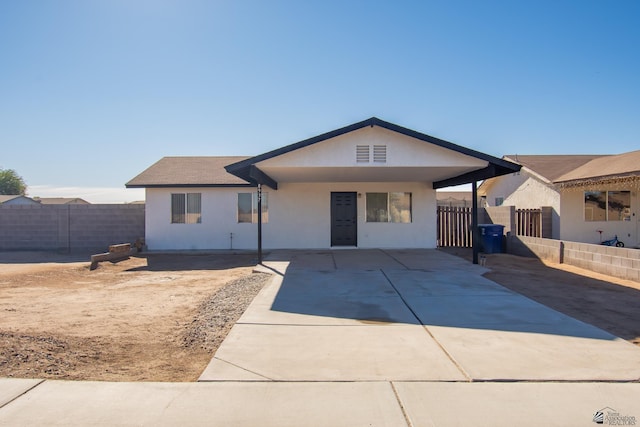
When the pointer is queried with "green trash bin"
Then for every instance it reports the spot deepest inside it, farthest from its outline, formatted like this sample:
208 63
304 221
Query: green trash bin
491 238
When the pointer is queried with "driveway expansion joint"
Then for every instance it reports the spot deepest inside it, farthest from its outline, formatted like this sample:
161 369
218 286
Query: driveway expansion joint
240 367
402 408
22 394
444 350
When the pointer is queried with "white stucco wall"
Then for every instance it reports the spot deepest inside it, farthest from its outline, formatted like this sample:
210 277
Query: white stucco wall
299 218
219 219
525 191
575 228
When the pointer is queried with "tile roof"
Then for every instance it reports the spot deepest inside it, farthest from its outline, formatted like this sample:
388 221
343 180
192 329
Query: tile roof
551 167
189 172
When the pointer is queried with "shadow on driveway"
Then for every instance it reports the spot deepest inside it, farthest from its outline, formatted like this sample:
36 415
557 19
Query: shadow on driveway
395 287
606 302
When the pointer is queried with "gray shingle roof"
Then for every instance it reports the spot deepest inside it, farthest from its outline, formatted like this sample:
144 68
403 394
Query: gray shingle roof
189 172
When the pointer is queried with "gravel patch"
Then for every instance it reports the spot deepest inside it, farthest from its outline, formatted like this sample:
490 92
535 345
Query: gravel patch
217 315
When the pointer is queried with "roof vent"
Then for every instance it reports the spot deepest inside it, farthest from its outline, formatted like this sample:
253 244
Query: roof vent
380 153
362 153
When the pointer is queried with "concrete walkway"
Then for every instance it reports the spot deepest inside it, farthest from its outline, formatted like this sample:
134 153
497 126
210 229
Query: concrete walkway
371 338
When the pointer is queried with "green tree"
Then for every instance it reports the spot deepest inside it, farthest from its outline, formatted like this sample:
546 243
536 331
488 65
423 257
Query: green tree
11 182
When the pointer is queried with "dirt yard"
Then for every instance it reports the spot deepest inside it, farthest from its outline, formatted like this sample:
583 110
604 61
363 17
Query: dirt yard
148 318
161 317
606 302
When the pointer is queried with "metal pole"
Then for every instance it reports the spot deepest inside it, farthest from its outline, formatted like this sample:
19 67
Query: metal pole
475 238
259 224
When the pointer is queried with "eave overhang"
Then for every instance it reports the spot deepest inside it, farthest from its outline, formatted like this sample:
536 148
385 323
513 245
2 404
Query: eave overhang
491 171
189 185
593 182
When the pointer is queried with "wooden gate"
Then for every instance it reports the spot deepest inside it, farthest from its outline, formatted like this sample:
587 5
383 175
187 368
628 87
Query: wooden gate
529 222
454 227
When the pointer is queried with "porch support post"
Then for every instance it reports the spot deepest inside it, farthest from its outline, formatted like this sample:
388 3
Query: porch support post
475 238
259 223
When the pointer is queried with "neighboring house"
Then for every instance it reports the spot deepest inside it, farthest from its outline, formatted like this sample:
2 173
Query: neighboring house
368 185
16 200
61 201
587 193
533 186
454 199
602 195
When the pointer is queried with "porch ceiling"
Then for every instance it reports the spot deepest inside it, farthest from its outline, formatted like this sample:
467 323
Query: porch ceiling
364 173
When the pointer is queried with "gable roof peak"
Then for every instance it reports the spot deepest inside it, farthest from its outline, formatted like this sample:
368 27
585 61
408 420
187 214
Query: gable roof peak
242 169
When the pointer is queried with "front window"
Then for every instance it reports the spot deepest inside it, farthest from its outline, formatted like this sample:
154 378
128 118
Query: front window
400 207
248 207
377 207
607 206
389 207
186 208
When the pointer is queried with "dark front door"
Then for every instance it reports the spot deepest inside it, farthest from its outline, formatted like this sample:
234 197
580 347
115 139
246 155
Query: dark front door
344 219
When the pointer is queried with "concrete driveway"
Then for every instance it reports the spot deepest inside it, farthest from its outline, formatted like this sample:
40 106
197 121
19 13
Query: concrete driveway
407 315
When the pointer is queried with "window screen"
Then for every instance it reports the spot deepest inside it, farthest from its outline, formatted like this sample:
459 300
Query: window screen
194 208
177 208
248 207
244 207
186 208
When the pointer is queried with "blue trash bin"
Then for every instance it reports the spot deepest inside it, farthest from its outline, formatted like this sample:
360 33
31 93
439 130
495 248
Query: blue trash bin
491 238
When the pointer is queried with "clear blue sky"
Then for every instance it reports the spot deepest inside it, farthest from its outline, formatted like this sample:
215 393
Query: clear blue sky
93 92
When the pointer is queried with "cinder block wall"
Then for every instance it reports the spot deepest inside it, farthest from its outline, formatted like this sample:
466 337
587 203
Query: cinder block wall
69 228
24 227
504 215
546 249
618 262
